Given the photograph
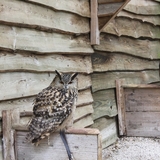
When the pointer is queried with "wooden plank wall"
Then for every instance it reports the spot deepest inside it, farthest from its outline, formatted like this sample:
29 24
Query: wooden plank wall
37 38
129 48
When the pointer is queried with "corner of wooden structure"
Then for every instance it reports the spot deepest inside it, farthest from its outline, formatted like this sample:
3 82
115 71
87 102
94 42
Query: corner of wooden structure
121 106
12 128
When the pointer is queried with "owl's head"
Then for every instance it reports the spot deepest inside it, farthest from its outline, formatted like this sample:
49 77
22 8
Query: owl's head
65 80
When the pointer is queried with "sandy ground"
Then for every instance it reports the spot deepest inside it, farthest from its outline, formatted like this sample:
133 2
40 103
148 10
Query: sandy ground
133 148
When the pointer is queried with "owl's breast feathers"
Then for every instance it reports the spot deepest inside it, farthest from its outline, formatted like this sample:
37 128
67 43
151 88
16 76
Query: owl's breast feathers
51 108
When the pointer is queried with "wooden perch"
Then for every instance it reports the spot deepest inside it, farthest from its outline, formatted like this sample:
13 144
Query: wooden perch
85 143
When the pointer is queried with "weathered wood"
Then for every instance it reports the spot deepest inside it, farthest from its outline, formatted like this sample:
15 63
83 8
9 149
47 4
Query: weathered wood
8 136
1 153
26 104
143 124
108 130
34 16
142 100
104 104
44 63
143 7
73 6
14 38
121 107
106 61
133 28
109 1
108 9
106 80
115 14
86 150
84 97
103 20
83 111
142 48
94 35
84 122
150 19
23 84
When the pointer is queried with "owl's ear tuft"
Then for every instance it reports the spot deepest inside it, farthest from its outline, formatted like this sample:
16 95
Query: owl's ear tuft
59 74
74 75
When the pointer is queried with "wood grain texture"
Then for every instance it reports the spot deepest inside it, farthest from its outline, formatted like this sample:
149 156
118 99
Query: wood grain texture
150 19
108 130
26 104
142 48
94 23
143 124
86 150
143 7
44 63
142 100
74 6
84 122
106 61
121 107
104 104
23 84
8 136
34 16
109 1
106 80
132 28
108 9
15 38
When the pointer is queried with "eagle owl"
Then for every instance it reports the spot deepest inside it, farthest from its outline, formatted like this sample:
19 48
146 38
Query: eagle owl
53 107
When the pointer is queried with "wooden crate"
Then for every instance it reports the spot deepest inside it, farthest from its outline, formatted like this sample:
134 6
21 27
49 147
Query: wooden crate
85 144
138 109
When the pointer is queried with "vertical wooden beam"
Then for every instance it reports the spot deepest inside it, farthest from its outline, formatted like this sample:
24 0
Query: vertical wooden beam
121 107
94 23
8 136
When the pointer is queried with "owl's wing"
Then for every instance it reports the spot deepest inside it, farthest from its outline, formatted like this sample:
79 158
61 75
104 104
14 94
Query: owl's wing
51 107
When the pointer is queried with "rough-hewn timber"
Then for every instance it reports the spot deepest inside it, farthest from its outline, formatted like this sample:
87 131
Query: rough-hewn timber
34 16
106 61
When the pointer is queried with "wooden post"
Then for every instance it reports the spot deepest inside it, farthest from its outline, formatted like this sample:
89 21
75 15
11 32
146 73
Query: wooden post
121 107
8 136
94 23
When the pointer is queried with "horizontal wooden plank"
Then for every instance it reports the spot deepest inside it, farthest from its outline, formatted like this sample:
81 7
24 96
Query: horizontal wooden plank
142 48
34 16
106 80
142 100
26 104
83 111
84 122
106 61
84 97
44 63
73 6
143 124
108 130
86 150
104 104
23 84
143 7
133 28
108 9
15 38
109 1
150 19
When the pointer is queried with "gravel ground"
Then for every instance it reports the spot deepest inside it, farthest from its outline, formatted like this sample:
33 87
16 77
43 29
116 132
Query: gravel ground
133 148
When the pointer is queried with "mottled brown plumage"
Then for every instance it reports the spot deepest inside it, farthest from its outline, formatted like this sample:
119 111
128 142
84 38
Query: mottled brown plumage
53 107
